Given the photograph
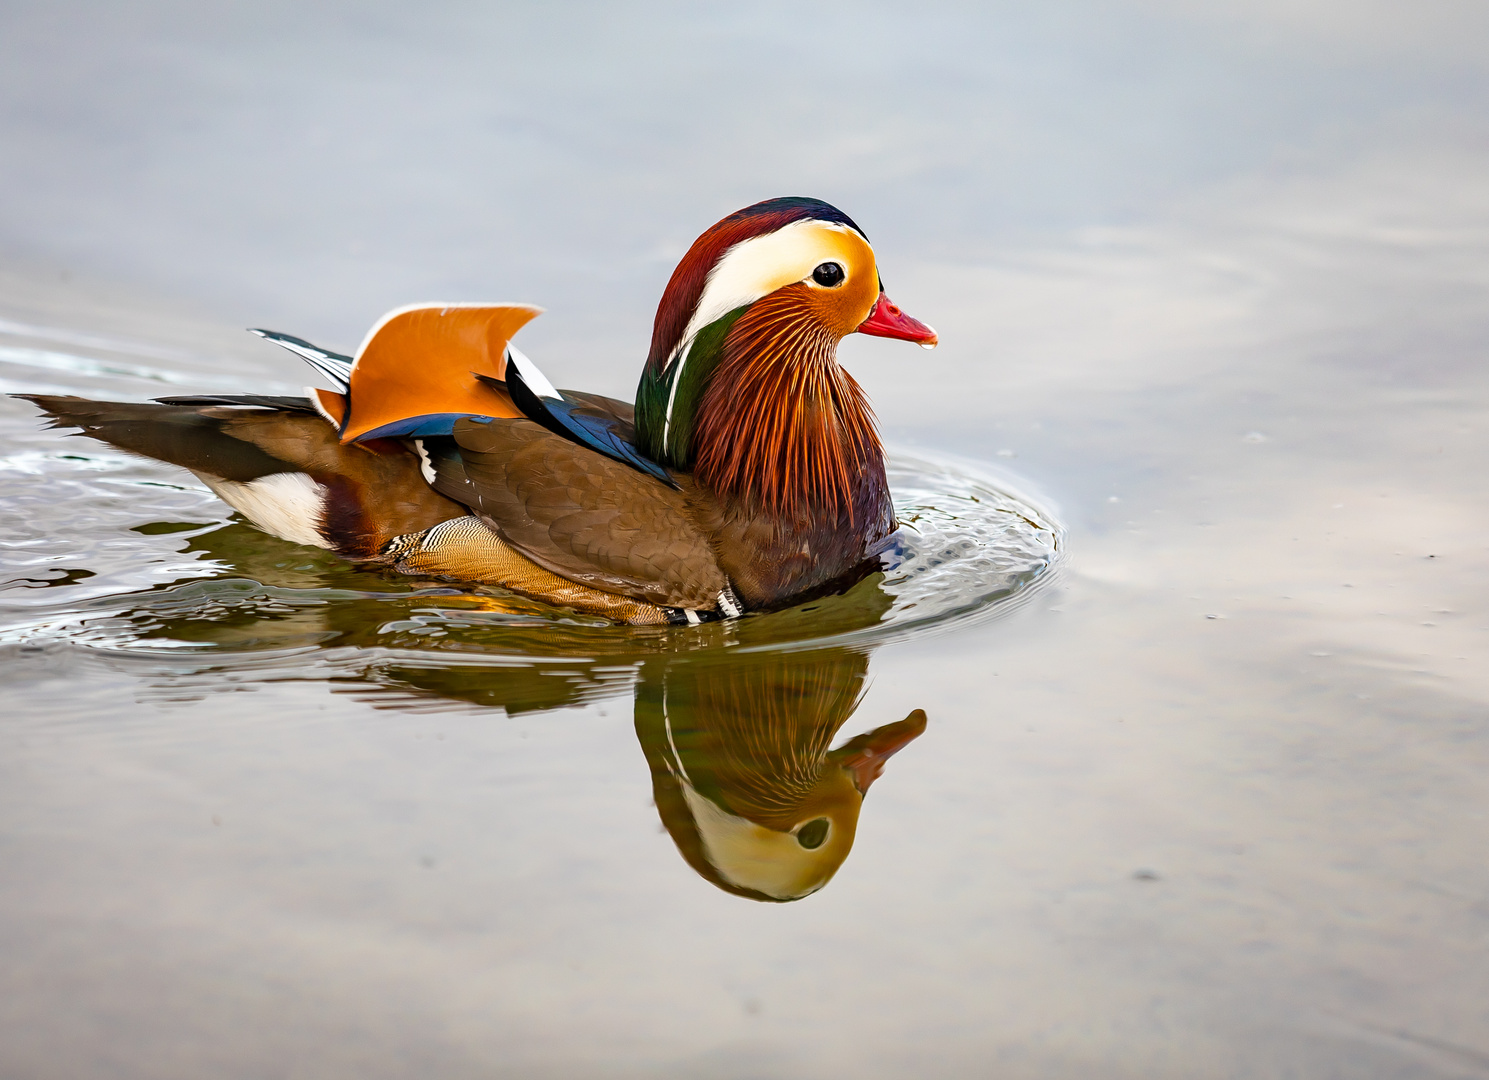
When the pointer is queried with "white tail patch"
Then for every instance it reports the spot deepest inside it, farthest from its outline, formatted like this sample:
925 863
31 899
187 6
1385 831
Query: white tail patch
287 505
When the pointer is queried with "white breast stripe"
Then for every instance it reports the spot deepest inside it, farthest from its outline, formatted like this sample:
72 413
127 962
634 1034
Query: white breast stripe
672 391
426 466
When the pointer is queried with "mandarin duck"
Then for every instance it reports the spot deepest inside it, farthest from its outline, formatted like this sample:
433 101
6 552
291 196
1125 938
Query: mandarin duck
742 773
747 476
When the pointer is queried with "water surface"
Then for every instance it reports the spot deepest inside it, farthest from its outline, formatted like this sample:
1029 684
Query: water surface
1199 789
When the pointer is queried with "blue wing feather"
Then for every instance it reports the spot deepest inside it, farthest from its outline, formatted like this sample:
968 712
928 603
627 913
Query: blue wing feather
598 432
580 422
419 427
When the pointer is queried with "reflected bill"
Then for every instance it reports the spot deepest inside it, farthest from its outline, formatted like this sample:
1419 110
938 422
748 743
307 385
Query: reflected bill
743 772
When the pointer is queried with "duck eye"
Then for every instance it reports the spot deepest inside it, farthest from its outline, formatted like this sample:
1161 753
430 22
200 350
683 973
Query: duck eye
828 275
812 834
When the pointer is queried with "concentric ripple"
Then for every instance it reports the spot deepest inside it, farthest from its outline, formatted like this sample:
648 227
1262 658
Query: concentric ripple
965 547
111 559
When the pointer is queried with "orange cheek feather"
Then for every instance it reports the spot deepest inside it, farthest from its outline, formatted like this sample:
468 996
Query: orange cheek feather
841 310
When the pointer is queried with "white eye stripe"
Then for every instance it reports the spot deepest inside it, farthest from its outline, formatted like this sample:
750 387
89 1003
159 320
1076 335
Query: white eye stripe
426 464
752 269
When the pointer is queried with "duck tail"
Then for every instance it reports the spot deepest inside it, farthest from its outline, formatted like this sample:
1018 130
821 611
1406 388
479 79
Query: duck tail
280 467
191 438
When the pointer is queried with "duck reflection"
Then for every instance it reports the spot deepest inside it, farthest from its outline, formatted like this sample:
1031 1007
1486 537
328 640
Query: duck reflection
742 768
736 720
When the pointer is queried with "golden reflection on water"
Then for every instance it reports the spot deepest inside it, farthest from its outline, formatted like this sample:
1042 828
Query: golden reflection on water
1214 276
742 771
736 721
739 744
738 741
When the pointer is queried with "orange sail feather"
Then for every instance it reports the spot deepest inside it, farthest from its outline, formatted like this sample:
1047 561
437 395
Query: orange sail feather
423 361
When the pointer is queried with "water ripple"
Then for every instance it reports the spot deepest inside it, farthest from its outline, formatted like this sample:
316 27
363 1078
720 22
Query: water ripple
103 552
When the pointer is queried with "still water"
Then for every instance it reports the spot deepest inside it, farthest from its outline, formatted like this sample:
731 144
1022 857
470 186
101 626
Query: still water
1174 697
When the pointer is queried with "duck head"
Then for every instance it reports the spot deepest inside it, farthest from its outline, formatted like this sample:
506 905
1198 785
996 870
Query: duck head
790 851
742 383
742 773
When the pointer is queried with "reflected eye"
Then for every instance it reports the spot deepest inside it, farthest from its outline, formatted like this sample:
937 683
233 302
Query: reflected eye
828 275
813 832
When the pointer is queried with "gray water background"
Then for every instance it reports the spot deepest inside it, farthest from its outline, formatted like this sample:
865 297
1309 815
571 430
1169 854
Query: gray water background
1212 282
